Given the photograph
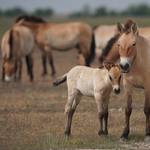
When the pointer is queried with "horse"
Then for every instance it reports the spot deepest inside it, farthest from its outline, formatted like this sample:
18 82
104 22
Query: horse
111 52
61 37
97 83
16 43
134 51
103 34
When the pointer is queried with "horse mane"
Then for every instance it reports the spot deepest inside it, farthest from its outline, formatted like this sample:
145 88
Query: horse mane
31 18
128 25
10 44
110 63
108 47
94 27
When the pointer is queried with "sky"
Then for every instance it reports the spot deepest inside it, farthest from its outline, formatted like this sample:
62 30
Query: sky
68 6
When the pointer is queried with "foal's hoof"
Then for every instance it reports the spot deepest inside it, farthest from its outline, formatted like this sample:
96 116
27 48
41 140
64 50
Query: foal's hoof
122 139
67 134
147 139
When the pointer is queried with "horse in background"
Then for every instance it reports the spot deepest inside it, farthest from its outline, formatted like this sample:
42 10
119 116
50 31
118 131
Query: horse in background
61 37
134 51
97 83
16 43
111 51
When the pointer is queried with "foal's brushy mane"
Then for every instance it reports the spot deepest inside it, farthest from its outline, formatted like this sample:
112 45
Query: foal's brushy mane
128 25
30 19
108 47
110 63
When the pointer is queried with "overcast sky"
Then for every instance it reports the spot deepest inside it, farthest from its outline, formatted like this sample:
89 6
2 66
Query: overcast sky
67 6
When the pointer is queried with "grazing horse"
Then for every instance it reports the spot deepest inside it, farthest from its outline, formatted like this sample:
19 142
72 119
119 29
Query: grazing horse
16 43
111 51
87 81
61 37
134 51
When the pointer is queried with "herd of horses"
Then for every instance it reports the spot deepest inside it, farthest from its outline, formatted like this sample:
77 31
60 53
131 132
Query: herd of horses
123 43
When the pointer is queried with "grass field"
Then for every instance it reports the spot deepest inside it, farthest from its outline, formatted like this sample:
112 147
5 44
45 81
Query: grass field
32 114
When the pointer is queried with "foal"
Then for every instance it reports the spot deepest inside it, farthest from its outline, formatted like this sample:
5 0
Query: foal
97 83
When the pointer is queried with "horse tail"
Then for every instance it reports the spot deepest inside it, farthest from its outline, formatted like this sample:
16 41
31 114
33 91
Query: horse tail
60 80
92 48
108 47
10 44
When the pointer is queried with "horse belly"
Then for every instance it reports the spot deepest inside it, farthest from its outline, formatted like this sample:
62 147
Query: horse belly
63 42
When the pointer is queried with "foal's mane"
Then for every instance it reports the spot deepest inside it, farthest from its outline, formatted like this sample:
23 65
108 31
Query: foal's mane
110 63
108 47
31 18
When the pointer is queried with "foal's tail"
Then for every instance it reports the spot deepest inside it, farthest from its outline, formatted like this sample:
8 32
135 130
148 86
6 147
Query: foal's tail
92 48
60 80
10 43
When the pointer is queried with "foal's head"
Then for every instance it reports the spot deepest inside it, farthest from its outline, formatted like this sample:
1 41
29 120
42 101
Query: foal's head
114 75
127 44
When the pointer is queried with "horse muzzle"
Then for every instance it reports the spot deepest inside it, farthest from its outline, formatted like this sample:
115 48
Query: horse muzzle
7 79
125 65
116 89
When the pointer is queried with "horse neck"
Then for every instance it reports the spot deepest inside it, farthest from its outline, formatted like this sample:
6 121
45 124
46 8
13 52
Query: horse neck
106 78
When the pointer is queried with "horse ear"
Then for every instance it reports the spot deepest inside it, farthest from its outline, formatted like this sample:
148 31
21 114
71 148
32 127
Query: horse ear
19 23
107 65
119 28
134 28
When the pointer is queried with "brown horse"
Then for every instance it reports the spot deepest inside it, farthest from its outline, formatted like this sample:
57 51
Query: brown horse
16 43
111 52
61 37
134 51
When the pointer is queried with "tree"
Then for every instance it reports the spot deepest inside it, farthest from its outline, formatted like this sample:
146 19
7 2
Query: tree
100 11
44 12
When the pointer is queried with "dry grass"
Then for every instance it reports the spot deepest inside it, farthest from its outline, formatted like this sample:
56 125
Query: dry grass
32 114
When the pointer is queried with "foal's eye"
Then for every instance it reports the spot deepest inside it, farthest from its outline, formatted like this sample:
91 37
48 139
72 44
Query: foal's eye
134 44
110 77
118 45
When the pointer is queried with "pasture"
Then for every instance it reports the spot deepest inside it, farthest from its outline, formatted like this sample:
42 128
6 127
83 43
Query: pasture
32 113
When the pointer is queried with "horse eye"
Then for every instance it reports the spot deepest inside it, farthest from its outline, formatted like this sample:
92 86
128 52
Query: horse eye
110 78
118 44
134 44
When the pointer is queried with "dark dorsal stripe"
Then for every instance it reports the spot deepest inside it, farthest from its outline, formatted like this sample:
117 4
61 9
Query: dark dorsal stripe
108 47
11 44
30 19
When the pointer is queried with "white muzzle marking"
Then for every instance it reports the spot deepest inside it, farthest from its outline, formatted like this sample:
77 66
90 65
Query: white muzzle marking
7 79
116 87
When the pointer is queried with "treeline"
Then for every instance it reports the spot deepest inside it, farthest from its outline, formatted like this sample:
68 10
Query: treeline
13 12
133 10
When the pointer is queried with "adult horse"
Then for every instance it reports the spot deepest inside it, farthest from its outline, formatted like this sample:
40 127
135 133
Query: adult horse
134 51
111 51
61 37
16 43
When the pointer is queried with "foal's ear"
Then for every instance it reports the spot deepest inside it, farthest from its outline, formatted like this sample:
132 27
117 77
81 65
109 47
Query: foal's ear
107 65
134 28
119 28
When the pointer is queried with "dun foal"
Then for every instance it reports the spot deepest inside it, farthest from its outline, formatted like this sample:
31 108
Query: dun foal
97 83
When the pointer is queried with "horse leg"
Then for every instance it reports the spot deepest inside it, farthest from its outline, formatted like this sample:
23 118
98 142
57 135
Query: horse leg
30 61
49 54
3 72
44 63
106 118
128 109
20 70
15 72
147 113
28 66
73 101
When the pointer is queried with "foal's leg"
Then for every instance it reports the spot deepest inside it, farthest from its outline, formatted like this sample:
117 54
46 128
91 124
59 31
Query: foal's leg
73 101
49 54
44 63
128 109
147 113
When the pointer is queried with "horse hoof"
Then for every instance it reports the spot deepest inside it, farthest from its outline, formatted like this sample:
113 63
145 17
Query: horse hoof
122 139
43 74
147 139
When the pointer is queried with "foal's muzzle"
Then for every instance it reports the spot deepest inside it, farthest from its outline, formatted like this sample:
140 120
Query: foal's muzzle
125 65
116 89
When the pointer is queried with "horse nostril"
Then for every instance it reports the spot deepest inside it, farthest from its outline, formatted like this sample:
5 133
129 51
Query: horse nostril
124 67
117 91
